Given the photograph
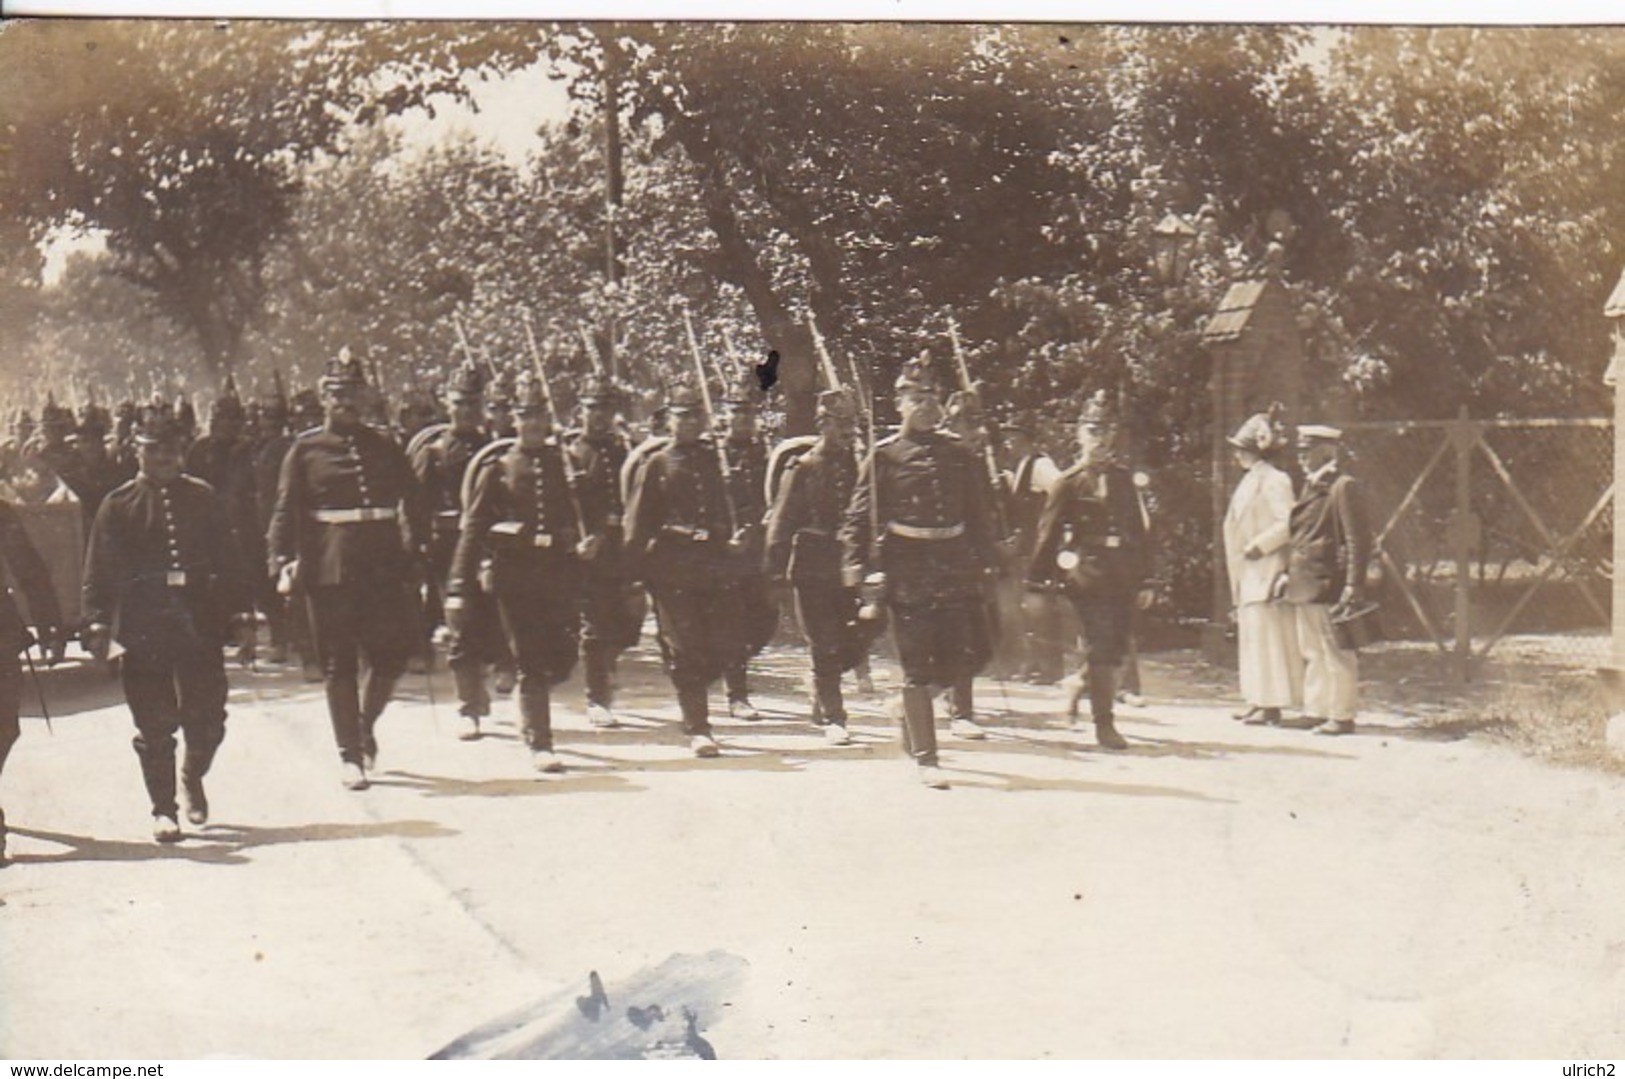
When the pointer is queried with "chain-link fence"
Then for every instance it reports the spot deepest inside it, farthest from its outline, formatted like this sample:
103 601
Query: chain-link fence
1494 537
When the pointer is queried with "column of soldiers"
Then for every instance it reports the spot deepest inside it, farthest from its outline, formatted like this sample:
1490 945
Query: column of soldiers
537 546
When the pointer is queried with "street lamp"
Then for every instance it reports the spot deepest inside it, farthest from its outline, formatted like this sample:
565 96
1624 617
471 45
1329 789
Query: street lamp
1172 242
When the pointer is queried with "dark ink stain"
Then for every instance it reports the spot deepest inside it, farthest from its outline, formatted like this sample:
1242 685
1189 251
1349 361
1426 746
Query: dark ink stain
767 374
593 1004
1291 814
1064 40
1077 895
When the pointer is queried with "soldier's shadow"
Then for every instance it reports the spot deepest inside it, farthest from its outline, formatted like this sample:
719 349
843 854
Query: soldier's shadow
570 781
1006 782
217 844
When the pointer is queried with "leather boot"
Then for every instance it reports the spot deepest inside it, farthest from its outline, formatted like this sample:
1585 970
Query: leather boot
1106 735
158 772
536 713
919 723
193 768
827 696
696 709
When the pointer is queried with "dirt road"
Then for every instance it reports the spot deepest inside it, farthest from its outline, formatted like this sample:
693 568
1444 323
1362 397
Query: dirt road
1215 891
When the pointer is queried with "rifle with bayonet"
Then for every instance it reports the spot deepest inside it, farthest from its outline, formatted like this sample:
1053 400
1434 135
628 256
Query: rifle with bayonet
705 394
553 414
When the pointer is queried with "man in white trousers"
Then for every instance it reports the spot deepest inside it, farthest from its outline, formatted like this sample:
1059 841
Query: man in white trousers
1326 575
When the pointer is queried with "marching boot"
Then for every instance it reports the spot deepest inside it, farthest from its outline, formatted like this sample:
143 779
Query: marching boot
193 769
696 710
831 708
962 705
1106 735
472 696
158 773
536 712
920 735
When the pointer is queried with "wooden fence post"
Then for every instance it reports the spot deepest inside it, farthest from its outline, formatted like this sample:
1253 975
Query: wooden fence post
1465 535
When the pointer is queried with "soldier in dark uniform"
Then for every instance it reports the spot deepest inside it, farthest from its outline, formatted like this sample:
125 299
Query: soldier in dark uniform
290 628
803 550
347 528
679 541
440 463
165 580
746 454
1092 547
613 604
224 459
95 471
921 520
27 571
522 520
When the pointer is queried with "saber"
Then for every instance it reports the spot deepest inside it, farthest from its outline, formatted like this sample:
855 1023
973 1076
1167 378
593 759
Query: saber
705 393
39 688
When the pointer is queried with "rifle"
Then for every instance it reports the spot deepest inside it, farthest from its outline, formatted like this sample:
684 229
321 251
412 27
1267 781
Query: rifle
592 349
553 412
705 392
825 361
987 438
462 339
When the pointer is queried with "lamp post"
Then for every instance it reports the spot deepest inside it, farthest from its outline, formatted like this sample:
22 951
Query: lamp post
1172 241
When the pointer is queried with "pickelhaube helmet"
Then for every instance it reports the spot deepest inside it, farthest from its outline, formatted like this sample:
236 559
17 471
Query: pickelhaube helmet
1310 434
499 391
94 421
158 425
917 376
530 393
837 405
1099 409
227 403
681 398
54 418
599 389
467 383
343 371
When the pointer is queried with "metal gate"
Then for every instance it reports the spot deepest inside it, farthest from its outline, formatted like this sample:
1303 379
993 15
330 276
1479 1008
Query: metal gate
1492 531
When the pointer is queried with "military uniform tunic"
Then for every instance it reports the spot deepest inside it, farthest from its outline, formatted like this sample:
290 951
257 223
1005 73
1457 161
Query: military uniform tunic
164 572
677 539
348 510
921 513
521 517
613 605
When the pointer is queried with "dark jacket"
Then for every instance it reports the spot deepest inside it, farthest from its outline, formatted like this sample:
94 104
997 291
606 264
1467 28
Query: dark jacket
1092 512
163 569
930 482
25 570
520 515
439 465
1329 545
677 518
805 523
597 463
328 473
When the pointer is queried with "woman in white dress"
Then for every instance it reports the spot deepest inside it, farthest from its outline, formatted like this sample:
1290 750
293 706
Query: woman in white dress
1256 531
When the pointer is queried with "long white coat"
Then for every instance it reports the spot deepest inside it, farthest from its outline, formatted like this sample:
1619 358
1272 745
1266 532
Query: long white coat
1260 514
1267 648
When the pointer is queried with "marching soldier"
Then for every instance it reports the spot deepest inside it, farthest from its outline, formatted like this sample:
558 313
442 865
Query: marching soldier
224 459
613 605
27 570
746 455
521 518
95 471
287 611
440 462
803 549
346 530
680 542
1092 547
164 579
921 519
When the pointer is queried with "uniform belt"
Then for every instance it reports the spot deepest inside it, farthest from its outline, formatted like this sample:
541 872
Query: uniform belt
354 516
923 532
